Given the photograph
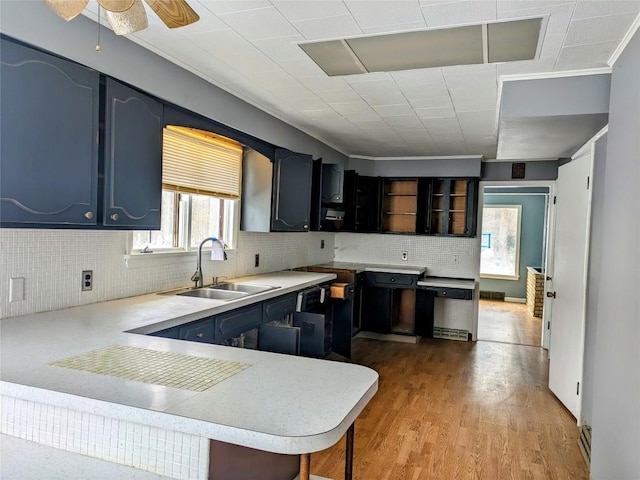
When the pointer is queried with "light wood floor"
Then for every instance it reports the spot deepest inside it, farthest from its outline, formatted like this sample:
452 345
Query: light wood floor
508 322
458 410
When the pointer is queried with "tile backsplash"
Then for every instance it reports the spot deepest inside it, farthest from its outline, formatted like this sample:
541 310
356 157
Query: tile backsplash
52 261
443 256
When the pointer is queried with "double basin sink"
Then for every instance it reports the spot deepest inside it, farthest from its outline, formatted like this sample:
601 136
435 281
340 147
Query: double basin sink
225 291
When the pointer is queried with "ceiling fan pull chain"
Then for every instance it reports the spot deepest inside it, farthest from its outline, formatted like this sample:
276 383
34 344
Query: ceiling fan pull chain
98 47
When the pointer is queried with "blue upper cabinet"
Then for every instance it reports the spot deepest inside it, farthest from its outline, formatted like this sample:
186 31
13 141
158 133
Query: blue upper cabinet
290 205
133 158
48 139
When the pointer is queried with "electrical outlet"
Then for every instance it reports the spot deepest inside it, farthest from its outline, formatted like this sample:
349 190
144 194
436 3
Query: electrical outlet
455 259
405 256
87 280
16 289
257 262
322 243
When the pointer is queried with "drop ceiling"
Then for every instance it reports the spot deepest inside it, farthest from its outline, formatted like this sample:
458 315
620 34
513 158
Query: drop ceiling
250 48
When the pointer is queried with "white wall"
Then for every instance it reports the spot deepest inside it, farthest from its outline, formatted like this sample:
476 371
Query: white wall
616 292
52 261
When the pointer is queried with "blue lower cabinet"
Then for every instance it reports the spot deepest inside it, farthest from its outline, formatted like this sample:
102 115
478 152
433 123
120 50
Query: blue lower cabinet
235 322
167 333
201 331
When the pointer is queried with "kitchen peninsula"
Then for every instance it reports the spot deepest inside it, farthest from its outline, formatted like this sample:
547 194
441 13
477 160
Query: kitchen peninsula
275 408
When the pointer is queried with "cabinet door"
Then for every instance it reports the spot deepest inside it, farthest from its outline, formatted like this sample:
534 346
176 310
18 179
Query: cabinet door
201 331
332 181
49 132
453 207
133 158
292 173
278 308
237 321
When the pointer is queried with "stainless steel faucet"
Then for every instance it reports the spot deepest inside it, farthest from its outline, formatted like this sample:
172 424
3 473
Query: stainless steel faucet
197 276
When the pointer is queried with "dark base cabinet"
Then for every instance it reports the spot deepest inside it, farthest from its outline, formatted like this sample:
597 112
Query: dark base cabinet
376 309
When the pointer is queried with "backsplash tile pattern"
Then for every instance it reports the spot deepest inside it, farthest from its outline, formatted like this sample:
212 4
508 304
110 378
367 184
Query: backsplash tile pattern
435 253
173 454
52 261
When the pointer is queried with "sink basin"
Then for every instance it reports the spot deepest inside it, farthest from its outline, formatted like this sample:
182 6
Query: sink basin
213 294
242 287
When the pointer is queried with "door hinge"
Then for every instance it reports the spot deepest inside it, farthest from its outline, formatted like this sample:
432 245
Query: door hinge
551 294
578 389
554 199
548 325
588 182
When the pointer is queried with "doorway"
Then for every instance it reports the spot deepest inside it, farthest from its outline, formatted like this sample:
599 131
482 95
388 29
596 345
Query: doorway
515 219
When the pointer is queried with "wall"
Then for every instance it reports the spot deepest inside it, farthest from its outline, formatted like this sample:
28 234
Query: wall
51 261
615 256
428 167
532 235
538 170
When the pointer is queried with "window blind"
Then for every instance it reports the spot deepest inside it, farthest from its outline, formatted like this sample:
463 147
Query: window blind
198 163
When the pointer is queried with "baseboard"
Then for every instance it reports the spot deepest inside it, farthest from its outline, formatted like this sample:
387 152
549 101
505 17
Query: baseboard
515 300
388 337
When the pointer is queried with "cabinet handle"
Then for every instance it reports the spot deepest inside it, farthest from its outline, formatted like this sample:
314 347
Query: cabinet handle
88 215
200 335
114 216
305 227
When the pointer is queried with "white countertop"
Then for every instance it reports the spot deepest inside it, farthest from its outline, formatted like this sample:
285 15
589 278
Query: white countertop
281 403
372 267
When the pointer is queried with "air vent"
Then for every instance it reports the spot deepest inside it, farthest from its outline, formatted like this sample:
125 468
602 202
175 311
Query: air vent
487 295
464 45
451 333
584 442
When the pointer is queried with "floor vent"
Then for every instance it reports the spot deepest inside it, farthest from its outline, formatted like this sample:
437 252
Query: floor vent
584 442
451 333
492 295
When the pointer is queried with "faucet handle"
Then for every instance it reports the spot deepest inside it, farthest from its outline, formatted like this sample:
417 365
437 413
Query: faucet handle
196 276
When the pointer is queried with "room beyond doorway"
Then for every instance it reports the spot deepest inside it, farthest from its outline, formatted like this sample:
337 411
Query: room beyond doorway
508 322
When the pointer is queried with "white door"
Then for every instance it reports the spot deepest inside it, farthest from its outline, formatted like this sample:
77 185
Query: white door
569 281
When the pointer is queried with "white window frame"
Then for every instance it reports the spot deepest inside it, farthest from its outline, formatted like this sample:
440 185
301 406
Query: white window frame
516 276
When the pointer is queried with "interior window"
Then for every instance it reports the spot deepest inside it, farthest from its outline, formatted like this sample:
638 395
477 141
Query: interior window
500 252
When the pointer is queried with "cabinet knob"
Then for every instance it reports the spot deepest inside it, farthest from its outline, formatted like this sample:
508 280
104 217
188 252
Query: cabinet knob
200 335
305 227
88 215
114 216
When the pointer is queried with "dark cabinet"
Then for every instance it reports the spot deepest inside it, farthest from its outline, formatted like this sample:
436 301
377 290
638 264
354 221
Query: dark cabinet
453 207
202 331
237 321
290 205
49 132
133 158
389 303
73 155
278 308
332 182
362 202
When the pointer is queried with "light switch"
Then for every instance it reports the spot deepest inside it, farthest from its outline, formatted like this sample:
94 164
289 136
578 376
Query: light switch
16 289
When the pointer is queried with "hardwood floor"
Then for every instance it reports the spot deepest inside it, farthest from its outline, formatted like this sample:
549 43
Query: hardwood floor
508 322
458 410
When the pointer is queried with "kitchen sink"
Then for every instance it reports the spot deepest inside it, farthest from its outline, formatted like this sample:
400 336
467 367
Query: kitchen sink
243 287
225 291
213 294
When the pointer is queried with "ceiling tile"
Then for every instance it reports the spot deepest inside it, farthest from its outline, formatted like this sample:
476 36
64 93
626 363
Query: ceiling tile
479 105
323 83
551 46
438 112
404 122
310 9
328 28
381 86
301 68
350 107
595 55
393 110
282 49
338 96
391 98
526 66
229 6
478 123
431 102
456 13
259 24
379 125
384 12
511 5
598 29
395 28
559 16
482 80
362 116
599 8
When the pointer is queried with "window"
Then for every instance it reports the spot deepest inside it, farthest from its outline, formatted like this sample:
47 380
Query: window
500 247
201 191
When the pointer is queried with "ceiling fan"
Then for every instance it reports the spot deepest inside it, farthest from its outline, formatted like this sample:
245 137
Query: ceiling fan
128 16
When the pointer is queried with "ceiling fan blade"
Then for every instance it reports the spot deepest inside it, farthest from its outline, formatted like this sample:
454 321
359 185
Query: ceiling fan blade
129 21
174 13
67 9
116 5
